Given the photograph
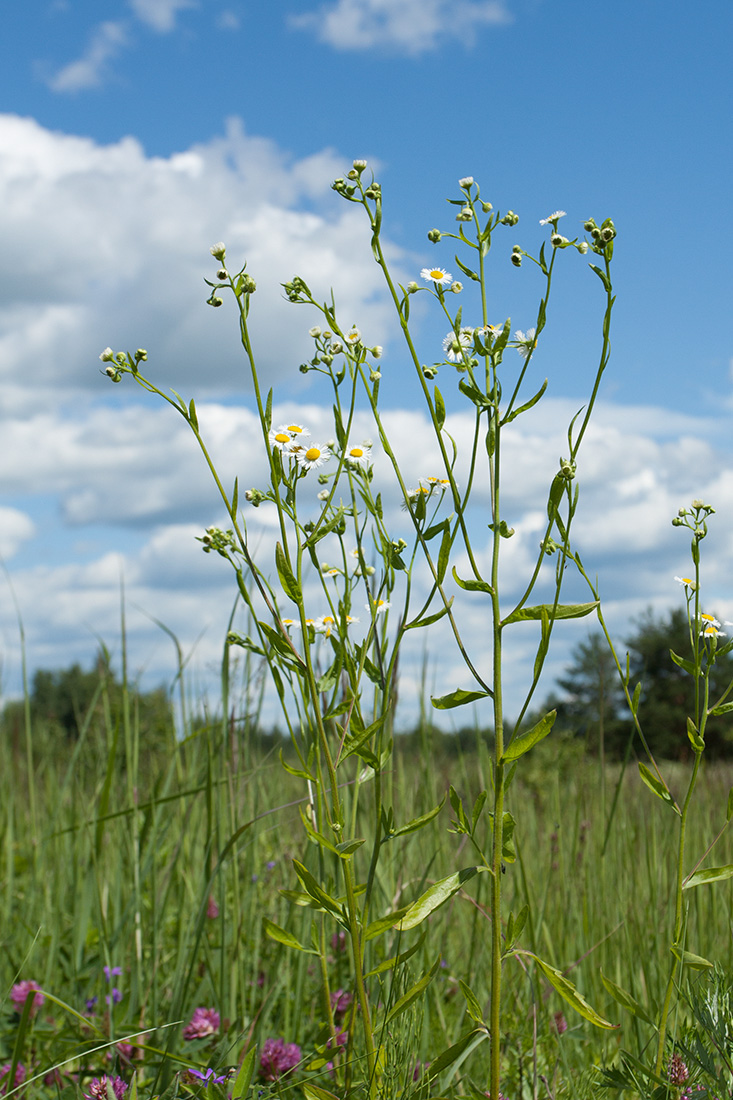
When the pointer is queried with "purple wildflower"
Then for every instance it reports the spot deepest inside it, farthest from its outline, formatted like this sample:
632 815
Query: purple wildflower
111 972
91 1003
212 909
204 1022
270 864
20 1076
115 998
278 1058
20 993
341 1002
560 1023
677 1071
210 1075
98 1089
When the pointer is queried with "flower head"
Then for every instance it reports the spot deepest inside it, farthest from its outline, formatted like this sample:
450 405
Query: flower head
20 993
359 456
378 607
309 458
526 342
98 1089
341 1001
111 972
677 1071
209 1075
212 909
20 1076
551 219
436 275
466 181
455 347
686 582
218 251
204 1022
278 1058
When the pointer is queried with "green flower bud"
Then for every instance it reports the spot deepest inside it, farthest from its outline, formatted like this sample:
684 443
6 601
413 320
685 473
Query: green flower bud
222 274
113 373
218 251
590 225
434 235
582 247
214 301
249 286
141 355
107 355
412 288
516 259
430 373
456 287
359 165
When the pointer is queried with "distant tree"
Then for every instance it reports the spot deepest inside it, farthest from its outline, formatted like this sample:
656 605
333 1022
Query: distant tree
593 704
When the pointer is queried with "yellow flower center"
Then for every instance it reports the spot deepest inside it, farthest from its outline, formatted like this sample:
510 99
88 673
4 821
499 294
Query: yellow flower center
356 452
296 429
436 273
312 454
282 437
708 618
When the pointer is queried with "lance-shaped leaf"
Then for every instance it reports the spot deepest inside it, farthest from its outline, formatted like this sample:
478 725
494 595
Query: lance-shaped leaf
562 611
456 1053
429 619
657 786
523 742
527 405
472 585
397 960
315 1092
625 999
474 1008
695 962
316 891
438 894
417 822
291 588
710 874
724 708
439 409
569 993
688 666
413 992
457 698
281 935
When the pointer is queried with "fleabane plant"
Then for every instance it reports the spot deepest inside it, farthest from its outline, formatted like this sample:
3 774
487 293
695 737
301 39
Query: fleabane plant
343 587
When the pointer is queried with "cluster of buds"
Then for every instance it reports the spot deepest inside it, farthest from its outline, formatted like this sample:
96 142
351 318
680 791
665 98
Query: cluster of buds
694 518
216 539
601 235
510 218
516 256
567 469
297 290
121 362
255 497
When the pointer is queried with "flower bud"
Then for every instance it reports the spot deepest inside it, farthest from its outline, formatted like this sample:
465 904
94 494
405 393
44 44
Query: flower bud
377 351
608 234
516 259
113 373
558 241
582 247
456 287
214 301
412 288
590 225
434 235
249 286
222 274
429 373
375 375
107 355
465 215
218 251
359 165
510 218
141 355
337 347
315 332
466 182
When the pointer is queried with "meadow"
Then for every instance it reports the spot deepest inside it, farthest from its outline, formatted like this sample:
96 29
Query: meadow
139 870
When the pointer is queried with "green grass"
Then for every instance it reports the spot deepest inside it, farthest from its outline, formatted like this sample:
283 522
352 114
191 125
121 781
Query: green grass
131 841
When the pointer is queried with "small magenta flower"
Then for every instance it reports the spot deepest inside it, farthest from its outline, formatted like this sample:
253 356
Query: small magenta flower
98 1088
677 1071
212 909
341 1002
20 1076
560 1023
278 1058
20 993
204 1022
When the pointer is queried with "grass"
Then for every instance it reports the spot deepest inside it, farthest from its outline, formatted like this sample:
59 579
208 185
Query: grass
134 838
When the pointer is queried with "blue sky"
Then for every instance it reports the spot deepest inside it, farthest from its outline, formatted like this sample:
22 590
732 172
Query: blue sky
136 133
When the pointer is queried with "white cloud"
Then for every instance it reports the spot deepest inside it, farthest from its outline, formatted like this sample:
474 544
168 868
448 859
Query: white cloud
88 71
113 247
410 26
161 15
15 529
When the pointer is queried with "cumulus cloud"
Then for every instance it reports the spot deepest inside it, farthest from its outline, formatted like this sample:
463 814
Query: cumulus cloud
410 26
88 71
161 15
105 245
15 528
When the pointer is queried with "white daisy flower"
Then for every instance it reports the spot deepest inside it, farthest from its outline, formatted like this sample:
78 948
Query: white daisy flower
552 217
290 623
709 621
454 346
296 431
686 582
280 438
310 458
325 625
378 607
526 341
711 631
353 337
436 275
359 456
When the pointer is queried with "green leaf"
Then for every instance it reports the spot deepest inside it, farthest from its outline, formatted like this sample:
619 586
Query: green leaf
235 496
439 409
527 405
397 960
457 698
290 585
244 1077
625 999
418 822
281 935
268 411
724 708
562 611
193 419
710 874
474 1008
438 894
444 554
299 772
508 854
601 275
315 1092
318 893
523 742
413 992
569 993
695 962
657 786
450 1056
429 619
467 271
472 585
479 399
694 735
729 807
688 666
347 847
383 924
